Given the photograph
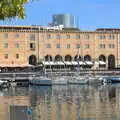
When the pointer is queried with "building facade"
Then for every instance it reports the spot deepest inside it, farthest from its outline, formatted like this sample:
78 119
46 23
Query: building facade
24 45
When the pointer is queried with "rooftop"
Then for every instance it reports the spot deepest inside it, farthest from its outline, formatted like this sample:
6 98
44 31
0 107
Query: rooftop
56 28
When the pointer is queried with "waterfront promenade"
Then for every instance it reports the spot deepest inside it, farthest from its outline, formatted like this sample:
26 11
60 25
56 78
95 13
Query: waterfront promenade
21 76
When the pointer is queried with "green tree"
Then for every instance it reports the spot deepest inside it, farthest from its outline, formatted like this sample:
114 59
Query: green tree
12 8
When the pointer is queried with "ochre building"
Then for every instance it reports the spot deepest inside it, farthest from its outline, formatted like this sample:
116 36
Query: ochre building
25 45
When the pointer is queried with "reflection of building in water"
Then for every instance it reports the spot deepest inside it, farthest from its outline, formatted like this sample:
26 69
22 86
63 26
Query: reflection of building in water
73 104
102 104
7 101
67 103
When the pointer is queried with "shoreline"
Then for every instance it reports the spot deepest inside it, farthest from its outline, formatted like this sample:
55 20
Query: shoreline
62 72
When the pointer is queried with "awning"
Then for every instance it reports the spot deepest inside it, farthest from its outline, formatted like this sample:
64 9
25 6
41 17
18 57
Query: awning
74 62
68 63
45 63
25 65
81 63
52 63
97 63
59 63
89 62
102 63
15 65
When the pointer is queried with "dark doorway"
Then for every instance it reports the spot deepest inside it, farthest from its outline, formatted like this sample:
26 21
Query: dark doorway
68 58
102 58
48 58
78 58
58 58
111 62
87 58
32 60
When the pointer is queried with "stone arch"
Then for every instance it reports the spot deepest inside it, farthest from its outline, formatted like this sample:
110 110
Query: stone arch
111 61
68 58
32 60
48 58
102 58
87 58
58 58
77 58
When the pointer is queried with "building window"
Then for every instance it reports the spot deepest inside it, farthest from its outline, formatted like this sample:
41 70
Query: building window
102 36
68 46
102 45
87 46
32 36
5 45
111 37
17 56
58 46
77 36
58 36
5 35
86 36
32 46
111 46
77 46
68 36
17 35
48 45
48 36
6 56
16 45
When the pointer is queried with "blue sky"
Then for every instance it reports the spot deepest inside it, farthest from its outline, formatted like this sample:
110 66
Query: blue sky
89 14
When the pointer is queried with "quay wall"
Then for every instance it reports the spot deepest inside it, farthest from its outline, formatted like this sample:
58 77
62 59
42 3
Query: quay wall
26 75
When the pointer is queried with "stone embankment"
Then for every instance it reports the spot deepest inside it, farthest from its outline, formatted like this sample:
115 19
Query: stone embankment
84 72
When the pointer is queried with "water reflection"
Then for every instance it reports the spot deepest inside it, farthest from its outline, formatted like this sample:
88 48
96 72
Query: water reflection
72 102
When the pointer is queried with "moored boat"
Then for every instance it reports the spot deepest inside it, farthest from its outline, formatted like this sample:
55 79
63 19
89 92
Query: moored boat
77 80
95 79
60 81
40 81
115 79
4 84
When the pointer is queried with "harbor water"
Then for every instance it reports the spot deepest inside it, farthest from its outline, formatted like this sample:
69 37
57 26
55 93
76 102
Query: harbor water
70 102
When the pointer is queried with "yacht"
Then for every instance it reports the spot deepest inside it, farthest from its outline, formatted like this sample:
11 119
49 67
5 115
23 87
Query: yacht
78 80
94 79
60 80
43 80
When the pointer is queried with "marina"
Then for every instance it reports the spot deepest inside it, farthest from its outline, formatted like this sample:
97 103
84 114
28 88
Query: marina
59 66
60 78
39 95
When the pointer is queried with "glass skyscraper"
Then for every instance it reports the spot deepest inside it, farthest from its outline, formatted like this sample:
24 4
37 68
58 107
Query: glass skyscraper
64 19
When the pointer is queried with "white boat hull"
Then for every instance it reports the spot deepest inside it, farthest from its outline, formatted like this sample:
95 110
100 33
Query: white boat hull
60 81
